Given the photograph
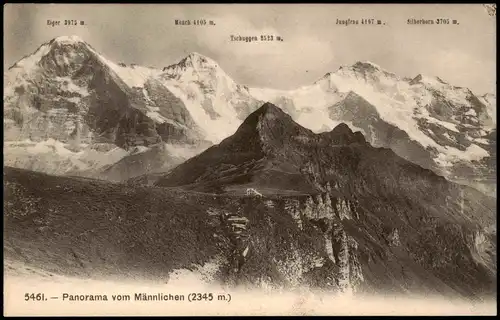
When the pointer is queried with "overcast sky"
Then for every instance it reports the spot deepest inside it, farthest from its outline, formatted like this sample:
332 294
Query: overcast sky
464 54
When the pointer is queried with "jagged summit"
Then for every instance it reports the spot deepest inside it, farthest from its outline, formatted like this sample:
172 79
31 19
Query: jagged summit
198 68
194 60
366 65
59 44
270 109
269 143
277 130
198 56
67 39
271 115
360 67
274 125
343 135
342 128
369 67
268 119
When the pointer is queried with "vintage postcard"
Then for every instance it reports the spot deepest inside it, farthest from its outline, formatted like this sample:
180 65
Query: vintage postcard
249 159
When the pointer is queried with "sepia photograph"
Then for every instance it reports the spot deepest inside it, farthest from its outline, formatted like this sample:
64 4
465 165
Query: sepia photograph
249 159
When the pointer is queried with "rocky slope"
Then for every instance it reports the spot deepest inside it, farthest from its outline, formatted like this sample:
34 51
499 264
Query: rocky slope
68 92
384 222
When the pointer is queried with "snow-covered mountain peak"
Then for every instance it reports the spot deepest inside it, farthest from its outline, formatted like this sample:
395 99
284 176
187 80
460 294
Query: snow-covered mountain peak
197 68
30 62
360 67
193 62
68 40
198 60
372 69
361 71
360 77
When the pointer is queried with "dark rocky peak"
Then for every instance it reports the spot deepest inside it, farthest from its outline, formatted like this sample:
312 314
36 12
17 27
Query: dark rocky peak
342 129
270 110
416 80
442 81
343 135
269 126
366 66
426 79
270 117
370 68
272 125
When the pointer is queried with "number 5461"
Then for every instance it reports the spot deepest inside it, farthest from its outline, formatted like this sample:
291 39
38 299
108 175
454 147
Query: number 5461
34 297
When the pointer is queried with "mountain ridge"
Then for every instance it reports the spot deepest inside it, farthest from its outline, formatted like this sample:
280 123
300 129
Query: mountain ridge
441 127
359 64
269 135
342 184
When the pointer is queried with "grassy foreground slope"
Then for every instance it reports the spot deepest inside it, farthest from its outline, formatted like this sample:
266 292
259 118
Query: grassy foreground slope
95 229
78 226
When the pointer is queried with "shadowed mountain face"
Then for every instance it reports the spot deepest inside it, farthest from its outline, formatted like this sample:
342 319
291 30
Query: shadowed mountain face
381 133
393 215
75 84
356 110
268 143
